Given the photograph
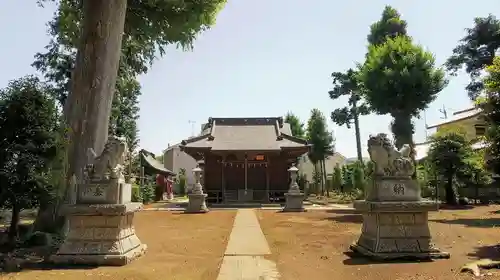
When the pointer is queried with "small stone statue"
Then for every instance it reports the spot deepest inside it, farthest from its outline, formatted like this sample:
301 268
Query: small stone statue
387 159
110 163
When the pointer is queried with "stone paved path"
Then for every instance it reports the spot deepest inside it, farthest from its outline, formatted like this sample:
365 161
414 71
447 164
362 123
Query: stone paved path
247 246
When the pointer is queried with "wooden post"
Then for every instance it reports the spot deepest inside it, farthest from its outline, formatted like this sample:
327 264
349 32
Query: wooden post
246 173
267 179
141 182
223 181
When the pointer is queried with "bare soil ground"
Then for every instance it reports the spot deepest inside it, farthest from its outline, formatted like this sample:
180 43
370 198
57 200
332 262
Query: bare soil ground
180 246
313 245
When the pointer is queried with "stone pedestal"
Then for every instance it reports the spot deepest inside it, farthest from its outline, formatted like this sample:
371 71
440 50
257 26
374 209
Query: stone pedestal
197 198
294 202
393 230
294 198
395 217
197 203
100 234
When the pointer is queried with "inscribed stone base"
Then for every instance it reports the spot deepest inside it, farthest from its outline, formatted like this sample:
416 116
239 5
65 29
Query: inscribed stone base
294 202
100 235
197 203
394 230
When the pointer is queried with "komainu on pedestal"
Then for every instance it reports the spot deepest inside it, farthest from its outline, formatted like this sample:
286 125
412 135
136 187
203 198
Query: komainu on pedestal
395 217
101 230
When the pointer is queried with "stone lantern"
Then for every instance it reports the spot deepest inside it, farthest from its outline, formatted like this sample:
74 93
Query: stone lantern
294 198
197 198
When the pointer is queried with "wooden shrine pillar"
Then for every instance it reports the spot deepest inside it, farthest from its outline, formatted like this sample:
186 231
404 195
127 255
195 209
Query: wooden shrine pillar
223 180
268 166
246 172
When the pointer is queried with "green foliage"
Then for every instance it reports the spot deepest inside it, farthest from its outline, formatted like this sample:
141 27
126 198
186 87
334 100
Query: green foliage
337 179
148 193
316 181
451 157
150 26
424 173
347 84
491 109
347 177
358 177
181 181
30 141
136 193
476 51
400 79
125 111
296 125
389 26
319 136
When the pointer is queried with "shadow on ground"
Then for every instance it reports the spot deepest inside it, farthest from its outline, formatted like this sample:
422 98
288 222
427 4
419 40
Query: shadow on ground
480 223
443 206
358 259
342 211
486 252
348 218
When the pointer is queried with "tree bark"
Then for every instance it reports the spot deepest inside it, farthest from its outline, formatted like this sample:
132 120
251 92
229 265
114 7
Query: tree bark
358 134
322 178
88 107
315 179
326 179
402 128
14 222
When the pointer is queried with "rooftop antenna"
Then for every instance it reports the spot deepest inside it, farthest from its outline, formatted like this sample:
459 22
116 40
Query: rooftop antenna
444 112
192 127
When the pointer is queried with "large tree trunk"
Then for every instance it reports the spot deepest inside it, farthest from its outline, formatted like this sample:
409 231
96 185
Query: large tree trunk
358 134
14 222
88 107
315 179
325 178
403 128
322 179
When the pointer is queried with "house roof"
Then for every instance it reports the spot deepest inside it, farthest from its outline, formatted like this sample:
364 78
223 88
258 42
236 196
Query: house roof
422 149
151 163
250 134
458 116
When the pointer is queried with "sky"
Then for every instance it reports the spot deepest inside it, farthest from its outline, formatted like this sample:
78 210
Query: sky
263 58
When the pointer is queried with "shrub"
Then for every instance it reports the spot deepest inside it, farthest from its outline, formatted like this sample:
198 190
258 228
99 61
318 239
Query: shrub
148 193
136 193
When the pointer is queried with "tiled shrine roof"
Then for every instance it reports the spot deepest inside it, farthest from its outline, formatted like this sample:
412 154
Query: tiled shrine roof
250 134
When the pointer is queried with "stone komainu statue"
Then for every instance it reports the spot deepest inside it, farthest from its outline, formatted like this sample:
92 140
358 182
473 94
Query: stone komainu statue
110 163
388 160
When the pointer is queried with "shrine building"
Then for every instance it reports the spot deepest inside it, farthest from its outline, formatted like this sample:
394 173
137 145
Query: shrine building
245 159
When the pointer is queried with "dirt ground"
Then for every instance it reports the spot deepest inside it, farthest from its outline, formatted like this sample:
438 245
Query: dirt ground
180 246
312 245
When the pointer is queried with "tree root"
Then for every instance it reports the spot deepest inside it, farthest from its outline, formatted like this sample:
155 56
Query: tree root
474 267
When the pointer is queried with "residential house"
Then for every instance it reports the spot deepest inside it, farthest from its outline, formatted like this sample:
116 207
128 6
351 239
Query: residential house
306 167
174 159
470 120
